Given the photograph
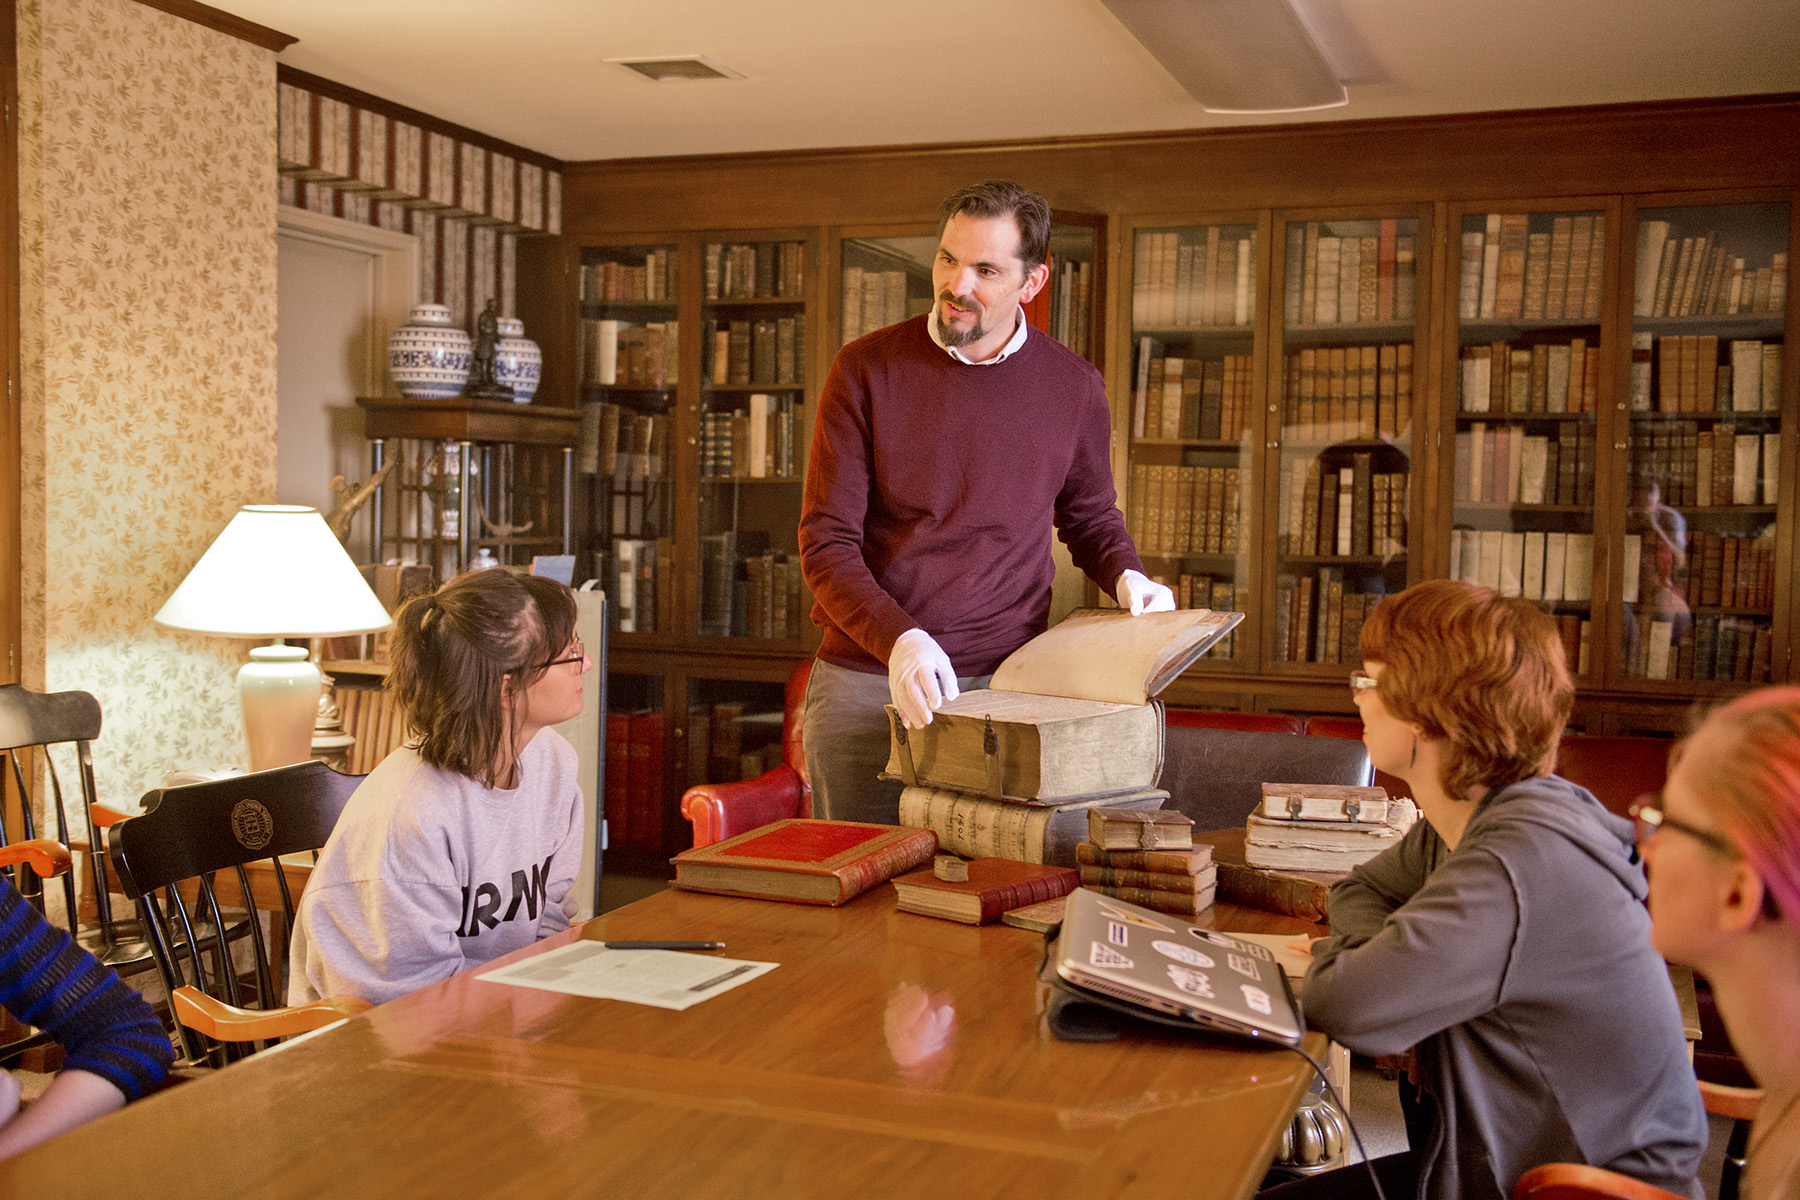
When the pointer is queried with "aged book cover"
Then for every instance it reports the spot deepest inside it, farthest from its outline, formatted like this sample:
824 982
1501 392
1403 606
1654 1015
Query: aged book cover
1174 862
981 827
994 886
1161 829
1187 904
1296 893
1039 918
1180 883
1324 802
811 861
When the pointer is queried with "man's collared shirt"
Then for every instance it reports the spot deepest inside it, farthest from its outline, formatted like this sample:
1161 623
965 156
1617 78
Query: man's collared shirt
1007 351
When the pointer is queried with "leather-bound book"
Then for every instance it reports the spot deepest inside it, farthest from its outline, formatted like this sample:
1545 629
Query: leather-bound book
994 886
810 861
1296 893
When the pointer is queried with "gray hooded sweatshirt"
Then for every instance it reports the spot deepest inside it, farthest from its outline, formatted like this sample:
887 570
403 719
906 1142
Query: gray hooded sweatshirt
1520 966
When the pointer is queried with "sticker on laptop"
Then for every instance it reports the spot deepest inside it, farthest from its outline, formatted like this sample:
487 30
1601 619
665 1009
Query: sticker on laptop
1116 933
1230 943
1243 966
1180 953
1192 982
1102 955
1258 1000
1124 914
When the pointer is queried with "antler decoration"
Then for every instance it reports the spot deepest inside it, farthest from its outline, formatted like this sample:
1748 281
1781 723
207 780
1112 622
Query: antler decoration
351 497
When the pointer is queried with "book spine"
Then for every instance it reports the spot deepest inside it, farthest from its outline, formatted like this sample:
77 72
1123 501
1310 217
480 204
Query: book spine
1167 862
1294 895
1026 891
1157 881
859 876
1185 904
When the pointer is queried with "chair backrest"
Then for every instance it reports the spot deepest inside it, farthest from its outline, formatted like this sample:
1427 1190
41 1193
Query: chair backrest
189 834
1352 728
1577 1181
1200 718
1215 776
793 720
1616 769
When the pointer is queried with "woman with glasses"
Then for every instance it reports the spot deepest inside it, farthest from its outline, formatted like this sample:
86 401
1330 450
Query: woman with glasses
1505 936
1723 844
463 844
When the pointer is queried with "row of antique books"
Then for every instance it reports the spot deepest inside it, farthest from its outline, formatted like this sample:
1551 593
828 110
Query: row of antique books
1184 510
1069 316
1194 277
634 779
651 281
1707 468
1349 272
758 441
1532 564
876 299
747 590
1689 378
1329 828
1502 464
1719 570
1207 591
768 350
1511 273
1546 377
1724 649
1337 393
1190 398
638 566
755 270
726 744
621 354
1318 619
1681 275
1335 511
1149 859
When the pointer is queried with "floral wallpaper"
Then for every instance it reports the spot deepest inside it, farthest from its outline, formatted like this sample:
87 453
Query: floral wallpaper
147 263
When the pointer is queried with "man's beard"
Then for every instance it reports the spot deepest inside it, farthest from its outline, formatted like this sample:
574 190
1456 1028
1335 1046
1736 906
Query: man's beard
960 337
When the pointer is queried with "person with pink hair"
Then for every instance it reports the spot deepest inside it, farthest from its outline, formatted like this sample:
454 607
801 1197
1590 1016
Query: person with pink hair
1723 847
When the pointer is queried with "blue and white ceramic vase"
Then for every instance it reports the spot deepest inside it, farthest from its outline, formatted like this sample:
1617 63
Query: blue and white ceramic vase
518 363
428 357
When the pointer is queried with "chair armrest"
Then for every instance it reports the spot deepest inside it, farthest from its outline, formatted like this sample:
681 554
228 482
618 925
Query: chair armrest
1575 1181
104 817
45 856
227 1023
1738 1103
722 810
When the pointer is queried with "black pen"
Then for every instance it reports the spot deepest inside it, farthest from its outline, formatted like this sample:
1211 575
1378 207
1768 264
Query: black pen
664 945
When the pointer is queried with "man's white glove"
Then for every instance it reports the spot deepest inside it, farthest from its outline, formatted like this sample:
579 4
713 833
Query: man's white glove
1141 594
920 677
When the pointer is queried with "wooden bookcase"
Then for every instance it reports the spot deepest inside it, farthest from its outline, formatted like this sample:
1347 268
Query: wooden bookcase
1727 167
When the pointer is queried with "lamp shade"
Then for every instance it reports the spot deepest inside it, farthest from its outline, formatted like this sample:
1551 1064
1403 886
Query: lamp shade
275 571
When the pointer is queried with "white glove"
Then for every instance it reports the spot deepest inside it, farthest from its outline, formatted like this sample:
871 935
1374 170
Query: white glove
1141 594
920 677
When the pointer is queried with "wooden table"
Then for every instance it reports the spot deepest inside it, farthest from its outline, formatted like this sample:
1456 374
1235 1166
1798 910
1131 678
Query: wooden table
793 1085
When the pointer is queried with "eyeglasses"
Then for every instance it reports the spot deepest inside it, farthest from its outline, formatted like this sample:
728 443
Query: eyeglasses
577 654
1362 681
1648 814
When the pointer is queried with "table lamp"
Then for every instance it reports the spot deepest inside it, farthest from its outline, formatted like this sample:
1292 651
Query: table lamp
276 571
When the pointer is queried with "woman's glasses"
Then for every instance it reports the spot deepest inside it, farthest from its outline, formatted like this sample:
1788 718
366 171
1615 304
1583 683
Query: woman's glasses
1361 681
577 653
1648 814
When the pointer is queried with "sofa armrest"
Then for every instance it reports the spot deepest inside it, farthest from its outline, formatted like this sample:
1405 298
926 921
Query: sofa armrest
721 810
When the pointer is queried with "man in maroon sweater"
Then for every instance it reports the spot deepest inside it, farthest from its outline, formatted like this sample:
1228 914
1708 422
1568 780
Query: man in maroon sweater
946 449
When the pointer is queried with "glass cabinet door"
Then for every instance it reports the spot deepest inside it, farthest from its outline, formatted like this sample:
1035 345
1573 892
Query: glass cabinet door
752 440
1349 299
1704 453
1191 475
630 351
1528 376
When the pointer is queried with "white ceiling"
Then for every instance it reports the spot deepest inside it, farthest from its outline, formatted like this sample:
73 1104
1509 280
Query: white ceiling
823 73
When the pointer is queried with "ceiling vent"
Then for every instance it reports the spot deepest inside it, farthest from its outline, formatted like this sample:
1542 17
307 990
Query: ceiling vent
686 66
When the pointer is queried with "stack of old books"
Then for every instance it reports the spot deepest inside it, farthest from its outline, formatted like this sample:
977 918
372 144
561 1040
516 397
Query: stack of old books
1067 726
1302 839
1148 859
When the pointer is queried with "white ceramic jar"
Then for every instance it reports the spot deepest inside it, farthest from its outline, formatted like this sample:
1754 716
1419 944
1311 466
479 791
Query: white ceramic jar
518 363
428 357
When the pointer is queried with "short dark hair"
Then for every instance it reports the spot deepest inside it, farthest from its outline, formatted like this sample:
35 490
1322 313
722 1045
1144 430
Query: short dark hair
1004 198
452 653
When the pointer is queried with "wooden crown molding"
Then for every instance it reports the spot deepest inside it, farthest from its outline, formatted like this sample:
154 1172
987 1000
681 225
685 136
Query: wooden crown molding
224 22
319 85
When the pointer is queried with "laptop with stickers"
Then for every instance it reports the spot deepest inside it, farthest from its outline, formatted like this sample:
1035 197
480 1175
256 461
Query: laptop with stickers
1163 963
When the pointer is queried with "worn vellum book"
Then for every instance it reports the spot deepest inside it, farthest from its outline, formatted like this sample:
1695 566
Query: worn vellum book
1068 714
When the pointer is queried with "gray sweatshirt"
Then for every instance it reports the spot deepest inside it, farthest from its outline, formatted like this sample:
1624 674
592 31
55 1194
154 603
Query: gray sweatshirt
1520 966
429 873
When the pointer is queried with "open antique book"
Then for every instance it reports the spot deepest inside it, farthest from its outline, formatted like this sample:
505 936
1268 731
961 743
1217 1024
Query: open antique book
1067 714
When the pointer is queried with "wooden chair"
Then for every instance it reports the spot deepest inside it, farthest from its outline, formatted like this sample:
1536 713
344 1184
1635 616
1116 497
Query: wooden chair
45 858
167 860
721 810
1243 722
1215 776
1575 1181
30 724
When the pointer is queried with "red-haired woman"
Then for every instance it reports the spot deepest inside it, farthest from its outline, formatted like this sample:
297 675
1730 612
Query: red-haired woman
1723 842
1505 937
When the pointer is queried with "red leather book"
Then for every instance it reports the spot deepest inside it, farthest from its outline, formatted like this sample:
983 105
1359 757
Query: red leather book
811 861
618 778
994 886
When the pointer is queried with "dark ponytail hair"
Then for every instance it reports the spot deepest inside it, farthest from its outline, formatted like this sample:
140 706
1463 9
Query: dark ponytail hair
452 652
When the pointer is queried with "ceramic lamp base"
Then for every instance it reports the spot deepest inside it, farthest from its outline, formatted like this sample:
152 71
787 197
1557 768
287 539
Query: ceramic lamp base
279 689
